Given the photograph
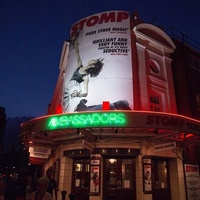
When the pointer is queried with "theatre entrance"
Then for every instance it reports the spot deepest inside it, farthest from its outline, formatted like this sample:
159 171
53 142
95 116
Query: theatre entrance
119 178
81 178
160 179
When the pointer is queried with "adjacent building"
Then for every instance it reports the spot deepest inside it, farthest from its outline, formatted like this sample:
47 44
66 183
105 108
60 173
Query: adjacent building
2 126
2 132
124 115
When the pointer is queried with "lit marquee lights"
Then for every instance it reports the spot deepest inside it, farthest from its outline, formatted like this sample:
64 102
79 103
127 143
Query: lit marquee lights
87 119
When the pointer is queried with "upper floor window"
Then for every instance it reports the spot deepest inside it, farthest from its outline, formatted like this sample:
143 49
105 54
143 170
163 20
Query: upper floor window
195 62
154 66
198 102
155 103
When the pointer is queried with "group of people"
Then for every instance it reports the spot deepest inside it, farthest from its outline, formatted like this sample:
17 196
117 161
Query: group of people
45 188
41 192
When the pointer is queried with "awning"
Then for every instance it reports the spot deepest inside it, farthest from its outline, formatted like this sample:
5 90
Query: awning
50 131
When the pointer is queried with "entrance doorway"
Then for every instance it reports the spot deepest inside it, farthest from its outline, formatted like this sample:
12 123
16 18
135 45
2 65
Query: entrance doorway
160 179
81 179
119 178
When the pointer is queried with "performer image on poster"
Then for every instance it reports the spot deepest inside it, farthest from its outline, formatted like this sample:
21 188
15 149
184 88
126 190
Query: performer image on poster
95 179
147 177
75 90
77 87
118 105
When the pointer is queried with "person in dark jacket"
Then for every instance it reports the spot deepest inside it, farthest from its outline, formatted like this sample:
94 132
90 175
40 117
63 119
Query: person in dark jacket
52 187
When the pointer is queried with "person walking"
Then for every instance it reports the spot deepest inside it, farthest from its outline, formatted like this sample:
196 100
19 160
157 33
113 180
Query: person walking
40 193
52 187
2 189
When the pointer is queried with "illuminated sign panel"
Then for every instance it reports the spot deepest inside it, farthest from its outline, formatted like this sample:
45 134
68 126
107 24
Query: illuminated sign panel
39 152
126 119
87 120
99 64
38 155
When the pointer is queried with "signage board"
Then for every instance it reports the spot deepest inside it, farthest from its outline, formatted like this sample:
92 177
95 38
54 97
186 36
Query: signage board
39 155
39 152
99 64
192 181
87 145
165 146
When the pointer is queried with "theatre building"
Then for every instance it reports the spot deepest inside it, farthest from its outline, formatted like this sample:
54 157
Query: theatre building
114 129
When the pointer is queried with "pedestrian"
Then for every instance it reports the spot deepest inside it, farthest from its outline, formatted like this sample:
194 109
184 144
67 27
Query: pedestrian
28 186
2 189
52 187
40 193
10 190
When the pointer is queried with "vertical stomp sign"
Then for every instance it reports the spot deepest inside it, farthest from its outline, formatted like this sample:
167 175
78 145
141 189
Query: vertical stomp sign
104 40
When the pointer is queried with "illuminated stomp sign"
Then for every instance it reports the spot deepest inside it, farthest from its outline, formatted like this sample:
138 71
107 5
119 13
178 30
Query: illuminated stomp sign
112 16
89 120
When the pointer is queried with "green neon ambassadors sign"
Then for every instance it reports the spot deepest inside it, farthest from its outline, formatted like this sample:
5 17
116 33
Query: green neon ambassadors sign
102 119
80 120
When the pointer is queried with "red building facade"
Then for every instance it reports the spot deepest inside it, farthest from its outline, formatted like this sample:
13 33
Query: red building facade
116 152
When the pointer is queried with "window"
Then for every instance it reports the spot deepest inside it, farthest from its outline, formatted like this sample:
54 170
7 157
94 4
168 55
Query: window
119 173
82 173
119 178
198 102
127 173
112 173
161 178
195 62
155 103
154 67
154 99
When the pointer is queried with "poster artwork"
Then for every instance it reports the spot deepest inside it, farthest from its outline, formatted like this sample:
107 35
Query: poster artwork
192 181
147 178
94 179
99 64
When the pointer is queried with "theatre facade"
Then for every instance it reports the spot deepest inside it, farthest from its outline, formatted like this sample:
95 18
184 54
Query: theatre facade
112 130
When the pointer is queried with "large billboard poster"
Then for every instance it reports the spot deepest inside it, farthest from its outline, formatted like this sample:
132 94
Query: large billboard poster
99 65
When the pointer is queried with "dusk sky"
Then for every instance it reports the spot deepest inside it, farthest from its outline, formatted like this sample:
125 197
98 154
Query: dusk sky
32 33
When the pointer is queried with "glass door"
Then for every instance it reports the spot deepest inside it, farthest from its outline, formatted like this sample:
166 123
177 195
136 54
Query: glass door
160 178
119 179
81 179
